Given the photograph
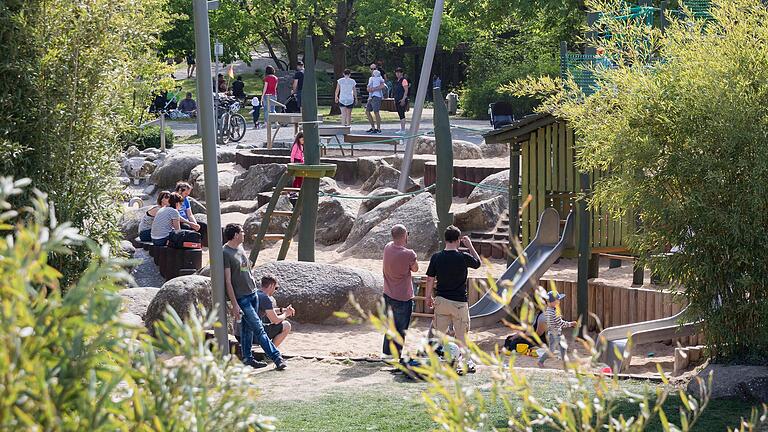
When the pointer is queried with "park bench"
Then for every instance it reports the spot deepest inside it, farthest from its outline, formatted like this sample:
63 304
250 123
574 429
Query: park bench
171 261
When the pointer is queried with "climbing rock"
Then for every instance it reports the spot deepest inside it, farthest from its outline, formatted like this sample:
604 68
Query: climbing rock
366 166
365 221
137 300
228 172
329 185
132 152
244 206
747 383
494 150
369 204
258 178
386 176
419 216
176 166
138 167
129 222
225 155
197 206
479 215
316 290
498 182
461 149
335 218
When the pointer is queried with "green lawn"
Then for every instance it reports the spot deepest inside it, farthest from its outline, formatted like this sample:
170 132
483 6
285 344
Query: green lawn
396 405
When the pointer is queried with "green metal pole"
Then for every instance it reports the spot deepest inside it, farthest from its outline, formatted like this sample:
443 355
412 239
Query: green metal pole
582 287
311 186
444 172
514 202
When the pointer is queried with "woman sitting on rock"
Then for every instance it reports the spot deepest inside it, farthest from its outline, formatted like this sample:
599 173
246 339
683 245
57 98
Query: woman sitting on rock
167 220
145 225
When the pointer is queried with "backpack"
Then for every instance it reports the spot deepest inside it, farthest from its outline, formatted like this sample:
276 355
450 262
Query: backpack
185 239
292 105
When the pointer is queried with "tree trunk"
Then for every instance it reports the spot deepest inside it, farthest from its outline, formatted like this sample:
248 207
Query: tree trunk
344 14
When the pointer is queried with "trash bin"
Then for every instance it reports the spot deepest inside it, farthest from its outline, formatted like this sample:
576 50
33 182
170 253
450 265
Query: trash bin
452 101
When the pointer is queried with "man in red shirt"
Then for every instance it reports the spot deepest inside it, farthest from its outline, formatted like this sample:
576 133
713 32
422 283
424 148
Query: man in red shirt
398 263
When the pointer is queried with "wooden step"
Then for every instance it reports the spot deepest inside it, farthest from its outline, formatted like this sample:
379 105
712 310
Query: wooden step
274 236
282 213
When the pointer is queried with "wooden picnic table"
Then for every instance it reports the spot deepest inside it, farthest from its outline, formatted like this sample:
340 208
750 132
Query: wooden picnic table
331 132
281 119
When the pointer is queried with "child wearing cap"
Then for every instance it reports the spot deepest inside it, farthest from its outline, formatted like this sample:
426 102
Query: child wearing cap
555 325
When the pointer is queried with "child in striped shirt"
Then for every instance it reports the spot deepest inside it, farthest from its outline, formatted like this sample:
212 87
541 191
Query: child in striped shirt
555 326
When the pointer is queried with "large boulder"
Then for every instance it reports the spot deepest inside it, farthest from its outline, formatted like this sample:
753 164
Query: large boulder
329 185
277 224
494 150
197 206
176 167
228 172
366 166
386 176
365 221
334 220
491 187
480 215
420 218
183 294
747 383
225 155
316 290
258 179
245 206
137 300
138 167
129 221
371 203
461 149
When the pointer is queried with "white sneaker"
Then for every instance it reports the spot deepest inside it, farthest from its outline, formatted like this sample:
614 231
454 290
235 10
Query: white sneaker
400 132
471 367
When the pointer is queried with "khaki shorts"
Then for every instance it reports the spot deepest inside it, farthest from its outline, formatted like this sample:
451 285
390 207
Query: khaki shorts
449 312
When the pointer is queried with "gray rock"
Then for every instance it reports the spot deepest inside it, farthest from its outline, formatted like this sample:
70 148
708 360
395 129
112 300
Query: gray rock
386 176
150 190
748 383
197 206
244 206
329 185
370 219
129 222
138 167
183 294
137 300
225 155
366 166
417 214
151 150
151 157
127 248
494 150
244 146
461 149
316 291
176 166
480 215
227 174
277 224
132 151
334 220
257 179
125 181
500 180
370 204
130 319
418 164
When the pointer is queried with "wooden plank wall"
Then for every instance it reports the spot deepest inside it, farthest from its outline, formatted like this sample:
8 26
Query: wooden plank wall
550 177
612 305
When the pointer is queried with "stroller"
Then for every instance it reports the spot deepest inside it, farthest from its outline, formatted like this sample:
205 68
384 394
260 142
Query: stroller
501 114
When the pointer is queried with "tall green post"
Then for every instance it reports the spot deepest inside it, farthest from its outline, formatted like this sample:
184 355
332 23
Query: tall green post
311 186
444 152
582 281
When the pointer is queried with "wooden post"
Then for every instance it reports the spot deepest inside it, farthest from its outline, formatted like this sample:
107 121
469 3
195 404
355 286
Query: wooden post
583 248
514 202
162 131
594 266
638 271
311 186
444 169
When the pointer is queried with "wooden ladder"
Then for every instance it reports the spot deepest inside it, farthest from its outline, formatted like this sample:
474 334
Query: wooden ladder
279 190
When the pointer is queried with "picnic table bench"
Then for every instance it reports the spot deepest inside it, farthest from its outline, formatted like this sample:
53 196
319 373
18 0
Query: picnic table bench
171 261
331 132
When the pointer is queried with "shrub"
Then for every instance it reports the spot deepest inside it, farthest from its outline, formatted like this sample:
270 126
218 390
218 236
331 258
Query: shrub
680 122
68 362
148 137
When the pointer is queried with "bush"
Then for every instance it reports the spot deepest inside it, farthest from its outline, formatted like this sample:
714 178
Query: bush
684 141
70 364
148 137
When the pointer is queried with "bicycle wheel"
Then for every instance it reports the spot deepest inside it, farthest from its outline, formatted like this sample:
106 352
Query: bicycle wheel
236 127
223 129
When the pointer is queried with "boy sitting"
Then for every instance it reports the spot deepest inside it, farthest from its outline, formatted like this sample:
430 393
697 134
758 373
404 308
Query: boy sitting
276 325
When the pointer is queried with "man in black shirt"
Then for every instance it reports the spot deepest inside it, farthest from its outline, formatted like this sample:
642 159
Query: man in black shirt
238 88
298 82
449 267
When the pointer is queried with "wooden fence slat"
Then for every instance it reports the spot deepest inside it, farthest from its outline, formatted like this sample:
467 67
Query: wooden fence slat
616 305
525 154
571 161
592 293
563 164
548 158
541 174
632 304
607 306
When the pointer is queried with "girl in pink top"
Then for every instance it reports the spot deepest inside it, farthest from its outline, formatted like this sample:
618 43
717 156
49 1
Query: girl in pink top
297 156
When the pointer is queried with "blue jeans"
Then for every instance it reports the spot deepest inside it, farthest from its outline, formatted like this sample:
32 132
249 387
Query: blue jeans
298 98
160 242
272 106
553 341
251 326
256 113
146 235
401 313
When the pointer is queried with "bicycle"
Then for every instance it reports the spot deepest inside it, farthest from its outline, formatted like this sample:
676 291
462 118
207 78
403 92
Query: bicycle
230 124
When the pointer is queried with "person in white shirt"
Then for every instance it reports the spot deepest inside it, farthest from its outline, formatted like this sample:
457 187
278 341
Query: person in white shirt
375 95
346 97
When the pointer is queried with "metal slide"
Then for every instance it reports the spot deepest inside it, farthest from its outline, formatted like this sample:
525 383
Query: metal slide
540 254
615 338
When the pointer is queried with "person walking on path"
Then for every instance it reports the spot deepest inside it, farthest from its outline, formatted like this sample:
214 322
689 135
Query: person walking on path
449 267
241 290
555 326
401 97
398 263
190 64
297 156
375 95
256 105
346 96
298 83
269 92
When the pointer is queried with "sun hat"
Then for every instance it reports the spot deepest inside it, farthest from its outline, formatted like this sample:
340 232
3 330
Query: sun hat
554 295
